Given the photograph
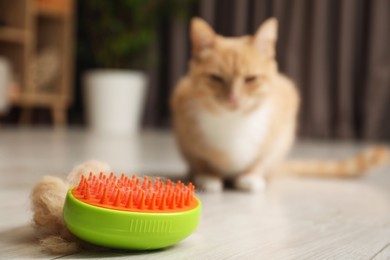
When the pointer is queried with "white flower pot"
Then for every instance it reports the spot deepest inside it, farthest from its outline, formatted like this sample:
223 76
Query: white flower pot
114 100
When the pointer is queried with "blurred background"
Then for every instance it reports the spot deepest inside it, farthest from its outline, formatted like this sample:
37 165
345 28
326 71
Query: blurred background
111 65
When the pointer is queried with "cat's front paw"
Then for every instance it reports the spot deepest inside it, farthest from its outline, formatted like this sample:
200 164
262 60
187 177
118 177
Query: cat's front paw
250 183
209 183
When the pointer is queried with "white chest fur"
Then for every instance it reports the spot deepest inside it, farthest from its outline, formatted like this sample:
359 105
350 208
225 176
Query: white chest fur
237 135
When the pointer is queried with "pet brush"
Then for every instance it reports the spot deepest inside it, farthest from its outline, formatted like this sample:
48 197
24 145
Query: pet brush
129 213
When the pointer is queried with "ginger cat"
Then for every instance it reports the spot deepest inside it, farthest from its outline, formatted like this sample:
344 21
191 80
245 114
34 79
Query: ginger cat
235 115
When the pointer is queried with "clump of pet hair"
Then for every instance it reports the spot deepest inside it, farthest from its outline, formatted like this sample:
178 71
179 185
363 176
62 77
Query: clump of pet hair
47 199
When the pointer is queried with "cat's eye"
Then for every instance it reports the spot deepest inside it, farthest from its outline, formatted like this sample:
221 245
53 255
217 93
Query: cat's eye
250 79
216 78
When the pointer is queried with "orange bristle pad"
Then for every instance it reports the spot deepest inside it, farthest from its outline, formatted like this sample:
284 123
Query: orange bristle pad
132 194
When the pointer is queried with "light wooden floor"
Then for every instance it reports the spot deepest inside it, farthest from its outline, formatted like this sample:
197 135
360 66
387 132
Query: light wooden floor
293 219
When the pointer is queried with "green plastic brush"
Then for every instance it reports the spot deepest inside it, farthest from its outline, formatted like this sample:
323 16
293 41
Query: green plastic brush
126 213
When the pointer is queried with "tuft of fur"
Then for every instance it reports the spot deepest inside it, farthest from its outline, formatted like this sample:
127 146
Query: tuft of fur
56 244
47 200
47 204
84 169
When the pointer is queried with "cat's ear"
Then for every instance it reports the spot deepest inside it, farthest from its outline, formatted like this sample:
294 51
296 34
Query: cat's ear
266 36
202 35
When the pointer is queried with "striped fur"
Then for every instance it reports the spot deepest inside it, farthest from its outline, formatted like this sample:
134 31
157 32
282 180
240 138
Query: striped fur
351 167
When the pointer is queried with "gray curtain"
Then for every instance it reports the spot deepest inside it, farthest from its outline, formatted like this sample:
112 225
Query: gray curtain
337 51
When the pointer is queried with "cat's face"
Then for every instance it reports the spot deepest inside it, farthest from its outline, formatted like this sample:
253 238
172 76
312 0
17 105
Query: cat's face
232 73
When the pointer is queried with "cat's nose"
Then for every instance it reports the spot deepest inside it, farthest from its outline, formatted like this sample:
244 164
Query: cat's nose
233 101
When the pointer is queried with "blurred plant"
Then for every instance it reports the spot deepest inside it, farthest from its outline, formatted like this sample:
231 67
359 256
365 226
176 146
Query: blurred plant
119 33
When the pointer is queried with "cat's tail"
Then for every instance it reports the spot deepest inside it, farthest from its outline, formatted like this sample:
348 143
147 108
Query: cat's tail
350 167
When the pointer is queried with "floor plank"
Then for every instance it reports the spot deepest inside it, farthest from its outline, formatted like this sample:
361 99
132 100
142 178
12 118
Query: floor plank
295 218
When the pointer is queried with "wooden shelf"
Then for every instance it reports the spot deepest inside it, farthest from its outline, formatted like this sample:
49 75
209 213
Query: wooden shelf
51 13
12 35
33 27
39 99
